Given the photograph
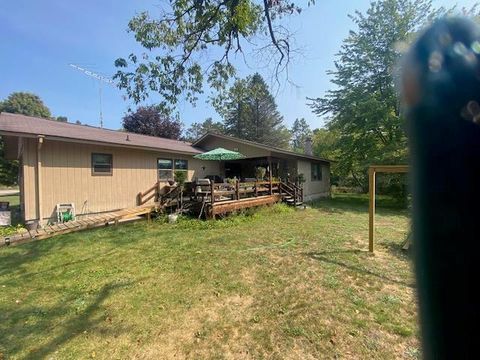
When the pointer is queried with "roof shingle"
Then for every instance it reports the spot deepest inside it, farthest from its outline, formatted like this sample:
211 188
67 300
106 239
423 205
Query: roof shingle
29 125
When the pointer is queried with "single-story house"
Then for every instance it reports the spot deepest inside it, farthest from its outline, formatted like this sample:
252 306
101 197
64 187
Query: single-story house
103 170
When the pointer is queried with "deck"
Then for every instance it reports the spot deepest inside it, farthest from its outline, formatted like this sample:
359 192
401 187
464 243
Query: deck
87 222
212 201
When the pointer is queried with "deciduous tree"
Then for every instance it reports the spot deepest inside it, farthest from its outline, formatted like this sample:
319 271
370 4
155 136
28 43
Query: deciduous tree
149 120
25 103
198 129
178 41
364 108
18 103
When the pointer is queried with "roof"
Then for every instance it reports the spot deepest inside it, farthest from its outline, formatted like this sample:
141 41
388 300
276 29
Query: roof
29 126
260 146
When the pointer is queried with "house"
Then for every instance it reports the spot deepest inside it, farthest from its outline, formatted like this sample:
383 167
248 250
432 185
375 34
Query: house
102 170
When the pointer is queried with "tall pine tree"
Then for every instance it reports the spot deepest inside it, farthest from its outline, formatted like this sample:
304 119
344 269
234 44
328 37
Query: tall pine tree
250 112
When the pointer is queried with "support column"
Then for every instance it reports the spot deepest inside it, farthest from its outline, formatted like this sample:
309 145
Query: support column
371 209
39 179
270 174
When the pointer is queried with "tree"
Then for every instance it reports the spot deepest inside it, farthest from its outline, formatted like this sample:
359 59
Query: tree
364 108
300 133
325 145
25 103
176 44
250 112
61 118
197 130
149 120
18 103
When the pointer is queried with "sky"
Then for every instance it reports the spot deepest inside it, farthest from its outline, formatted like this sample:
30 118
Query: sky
39 39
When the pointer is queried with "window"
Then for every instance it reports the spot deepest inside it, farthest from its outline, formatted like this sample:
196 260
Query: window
316 172
181 164
102 164
165 169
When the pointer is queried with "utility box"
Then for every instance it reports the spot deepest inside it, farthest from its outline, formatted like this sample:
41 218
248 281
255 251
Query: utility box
5 214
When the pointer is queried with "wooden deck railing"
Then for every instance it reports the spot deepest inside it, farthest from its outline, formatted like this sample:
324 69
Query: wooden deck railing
152 192
238 189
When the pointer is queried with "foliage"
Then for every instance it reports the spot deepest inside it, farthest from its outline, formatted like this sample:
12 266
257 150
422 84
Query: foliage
62 118
250 112
8 168
197 130
189 31
25 103
9 230
260 172
18 103
300 133
301 178
149 120
364 108
180 177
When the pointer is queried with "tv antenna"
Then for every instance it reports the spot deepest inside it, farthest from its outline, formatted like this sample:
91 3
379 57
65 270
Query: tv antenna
101 79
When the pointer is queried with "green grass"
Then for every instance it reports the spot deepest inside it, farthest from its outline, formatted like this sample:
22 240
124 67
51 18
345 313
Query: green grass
276 284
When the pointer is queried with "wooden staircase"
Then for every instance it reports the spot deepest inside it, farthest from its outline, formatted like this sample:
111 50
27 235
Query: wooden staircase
292 194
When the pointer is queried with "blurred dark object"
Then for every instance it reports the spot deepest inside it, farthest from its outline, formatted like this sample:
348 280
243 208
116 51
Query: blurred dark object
215 178
441 85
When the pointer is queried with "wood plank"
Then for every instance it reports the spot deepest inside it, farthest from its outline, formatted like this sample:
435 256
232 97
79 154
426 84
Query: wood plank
390 168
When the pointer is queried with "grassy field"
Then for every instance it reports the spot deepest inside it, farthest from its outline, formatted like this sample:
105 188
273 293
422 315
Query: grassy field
276 284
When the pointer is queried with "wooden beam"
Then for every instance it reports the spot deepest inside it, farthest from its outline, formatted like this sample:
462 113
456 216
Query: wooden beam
390 168
371 209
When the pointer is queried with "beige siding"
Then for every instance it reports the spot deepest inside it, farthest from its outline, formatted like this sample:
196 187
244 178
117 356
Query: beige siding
247 150
314 189
67 177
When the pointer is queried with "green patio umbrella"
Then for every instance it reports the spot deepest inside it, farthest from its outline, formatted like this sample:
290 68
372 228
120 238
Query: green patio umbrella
220 154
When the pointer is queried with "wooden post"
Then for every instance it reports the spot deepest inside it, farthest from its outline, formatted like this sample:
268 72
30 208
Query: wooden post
212 190
237 190
270 174
256 188
371 209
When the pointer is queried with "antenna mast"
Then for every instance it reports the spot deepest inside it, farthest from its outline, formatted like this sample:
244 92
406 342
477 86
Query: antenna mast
100 79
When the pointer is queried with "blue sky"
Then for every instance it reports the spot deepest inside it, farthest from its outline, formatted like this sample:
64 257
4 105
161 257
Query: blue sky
38 39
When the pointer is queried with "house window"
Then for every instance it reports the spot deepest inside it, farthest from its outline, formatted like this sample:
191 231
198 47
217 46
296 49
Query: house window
316 172
102 164
181 164
165 169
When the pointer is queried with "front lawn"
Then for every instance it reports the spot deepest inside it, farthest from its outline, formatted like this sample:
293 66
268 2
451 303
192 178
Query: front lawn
278 284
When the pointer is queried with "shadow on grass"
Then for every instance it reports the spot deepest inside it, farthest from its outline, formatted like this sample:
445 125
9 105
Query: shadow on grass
13 261
325 256
395 249
17 324
12 277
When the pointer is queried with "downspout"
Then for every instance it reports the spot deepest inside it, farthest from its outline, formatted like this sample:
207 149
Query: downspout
39 178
